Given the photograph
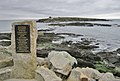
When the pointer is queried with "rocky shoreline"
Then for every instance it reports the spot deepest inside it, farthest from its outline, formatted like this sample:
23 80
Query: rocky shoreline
80 24
76 21
66 19
103 61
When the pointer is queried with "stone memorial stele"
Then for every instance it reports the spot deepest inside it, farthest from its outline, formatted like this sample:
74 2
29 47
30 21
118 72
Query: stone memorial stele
23 44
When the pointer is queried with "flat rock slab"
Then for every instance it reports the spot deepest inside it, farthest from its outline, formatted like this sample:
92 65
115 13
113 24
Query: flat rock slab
20 80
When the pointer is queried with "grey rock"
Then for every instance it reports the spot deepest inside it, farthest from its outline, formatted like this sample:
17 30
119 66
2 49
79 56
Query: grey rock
118 50
42 53
90 72
5 74
5 43
83 63
44 74
107 77
62 61
5 36
6 62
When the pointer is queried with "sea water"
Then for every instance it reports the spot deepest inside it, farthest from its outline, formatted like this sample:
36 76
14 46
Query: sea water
108 37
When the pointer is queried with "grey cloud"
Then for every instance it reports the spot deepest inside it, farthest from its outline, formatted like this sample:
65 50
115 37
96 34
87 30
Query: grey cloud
40 8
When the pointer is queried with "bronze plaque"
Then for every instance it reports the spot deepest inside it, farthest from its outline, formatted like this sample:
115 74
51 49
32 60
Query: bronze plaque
22 38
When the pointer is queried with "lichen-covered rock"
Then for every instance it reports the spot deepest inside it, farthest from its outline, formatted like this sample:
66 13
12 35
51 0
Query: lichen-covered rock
44 74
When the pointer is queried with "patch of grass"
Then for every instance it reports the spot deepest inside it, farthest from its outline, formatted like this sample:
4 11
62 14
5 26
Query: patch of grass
100 66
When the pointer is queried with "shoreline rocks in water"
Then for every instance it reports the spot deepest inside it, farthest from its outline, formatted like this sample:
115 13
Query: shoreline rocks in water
6 36
65 19
5 42
80 24
69 34
104 62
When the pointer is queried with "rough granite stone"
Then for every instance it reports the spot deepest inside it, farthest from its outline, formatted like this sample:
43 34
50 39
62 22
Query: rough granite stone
62 61
44 74
25 63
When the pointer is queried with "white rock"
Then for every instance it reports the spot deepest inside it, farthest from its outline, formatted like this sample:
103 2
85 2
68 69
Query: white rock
44 74
64 54
107 77
61 61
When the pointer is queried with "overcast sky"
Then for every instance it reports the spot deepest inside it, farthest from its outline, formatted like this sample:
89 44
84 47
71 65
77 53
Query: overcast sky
18 9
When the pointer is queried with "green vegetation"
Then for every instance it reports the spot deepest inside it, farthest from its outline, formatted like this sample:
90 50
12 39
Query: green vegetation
65 19
102 67
78 24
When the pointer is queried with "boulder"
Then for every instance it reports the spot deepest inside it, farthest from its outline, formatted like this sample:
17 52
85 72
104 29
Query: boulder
83 77
40 61
107 77
74 52
90 72
42 53
5 36
43 62
110 57
83 63
5 73
5 43
44 74
6 62
118 50
74 76
62 62
63 54
5 53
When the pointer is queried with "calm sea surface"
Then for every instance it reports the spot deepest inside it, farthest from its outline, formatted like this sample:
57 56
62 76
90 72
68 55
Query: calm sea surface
108 37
